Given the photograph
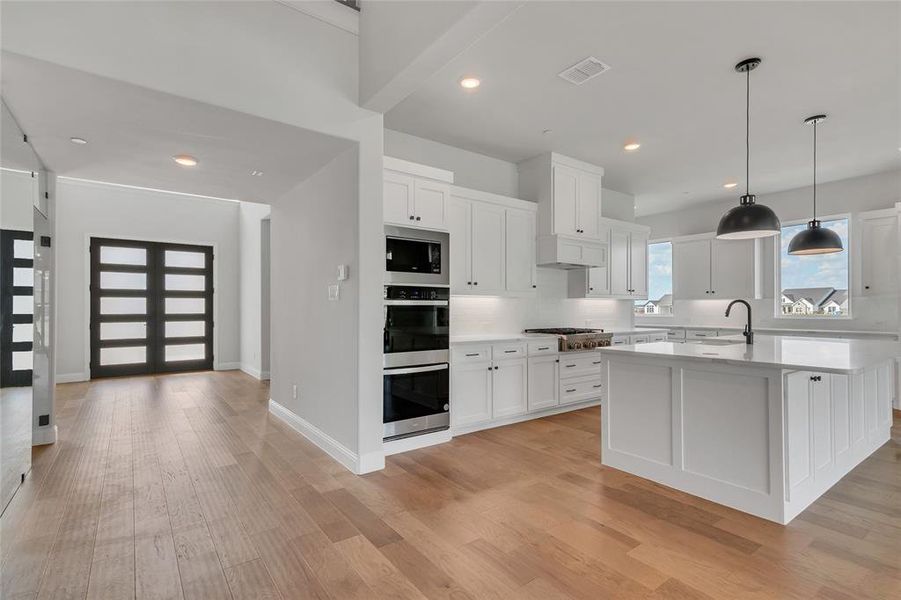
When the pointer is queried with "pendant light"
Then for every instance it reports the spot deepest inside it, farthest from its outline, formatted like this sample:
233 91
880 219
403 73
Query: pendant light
748 220
815 239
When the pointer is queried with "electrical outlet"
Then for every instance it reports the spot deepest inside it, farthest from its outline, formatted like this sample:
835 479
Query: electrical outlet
294 391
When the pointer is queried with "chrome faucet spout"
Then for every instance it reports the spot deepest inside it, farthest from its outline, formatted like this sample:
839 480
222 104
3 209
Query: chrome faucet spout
748 333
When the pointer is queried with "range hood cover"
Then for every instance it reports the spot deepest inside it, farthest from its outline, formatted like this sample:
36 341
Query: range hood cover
570 252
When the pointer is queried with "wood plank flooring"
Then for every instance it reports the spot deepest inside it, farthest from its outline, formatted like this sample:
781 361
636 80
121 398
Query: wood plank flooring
183 486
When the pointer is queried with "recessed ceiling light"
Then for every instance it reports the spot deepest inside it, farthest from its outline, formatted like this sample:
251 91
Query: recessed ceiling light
631 146
185 160
470 83
78 140
730 184
256 173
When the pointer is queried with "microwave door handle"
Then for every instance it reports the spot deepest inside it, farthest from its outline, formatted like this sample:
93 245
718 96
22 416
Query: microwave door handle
410 370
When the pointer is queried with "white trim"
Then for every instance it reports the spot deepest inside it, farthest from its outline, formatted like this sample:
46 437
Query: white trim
491 198
556 410
229 366
416 442
72 377
370 462
97 183
41 436
389 163
252 371
264 376
574 163
325 442
333 13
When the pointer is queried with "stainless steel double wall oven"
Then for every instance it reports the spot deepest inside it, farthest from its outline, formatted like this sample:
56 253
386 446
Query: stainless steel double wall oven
416 332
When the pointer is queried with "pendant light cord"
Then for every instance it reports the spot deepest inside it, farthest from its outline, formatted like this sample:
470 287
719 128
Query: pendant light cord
814 170
748 133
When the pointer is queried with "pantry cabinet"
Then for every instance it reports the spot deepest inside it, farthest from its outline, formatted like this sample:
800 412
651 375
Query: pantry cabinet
706 268
492 244
879 253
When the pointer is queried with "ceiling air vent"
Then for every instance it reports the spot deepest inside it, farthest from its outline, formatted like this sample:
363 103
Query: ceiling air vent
584 70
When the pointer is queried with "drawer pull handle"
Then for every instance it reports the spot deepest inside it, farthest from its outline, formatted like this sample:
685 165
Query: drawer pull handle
570 366
544 347
598 385
473 354
596 362
510 351
571 391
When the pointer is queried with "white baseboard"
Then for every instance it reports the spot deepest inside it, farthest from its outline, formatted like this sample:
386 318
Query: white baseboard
264 375
416 442
252 371
44 435
460 430
372 461
229 366
72 377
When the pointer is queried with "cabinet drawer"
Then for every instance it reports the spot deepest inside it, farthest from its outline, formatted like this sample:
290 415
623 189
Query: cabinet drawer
503 351
580 390
466 354
538 348
620 340
580 365
675 335
659 337
640 339
699 334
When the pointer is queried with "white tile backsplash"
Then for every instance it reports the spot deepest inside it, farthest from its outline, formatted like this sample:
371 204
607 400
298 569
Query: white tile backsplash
549 307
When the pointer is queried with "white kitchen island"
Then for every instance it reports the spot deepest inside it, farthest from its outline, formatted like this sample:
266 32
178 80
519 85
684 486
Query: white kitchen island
765 429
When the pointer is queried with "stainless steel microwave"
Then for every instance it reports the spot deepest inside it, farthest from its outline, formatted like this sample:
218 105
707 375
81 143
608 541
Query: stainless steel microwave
417 257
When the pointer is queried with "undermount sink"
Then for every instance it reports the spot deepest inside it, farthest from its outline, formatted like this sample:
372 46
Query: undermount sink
716 342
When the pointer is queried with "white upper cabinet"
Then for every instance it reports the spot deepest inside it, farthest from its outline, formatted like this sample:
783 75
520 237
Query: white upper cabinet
415 195
568 193
879 253
520 250
707 268
625 273
619 262
638 264
488 248
492 243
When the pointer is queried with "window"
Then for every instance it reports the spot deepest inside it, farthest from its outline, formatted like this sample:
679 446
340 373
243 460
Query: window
814 285
660 282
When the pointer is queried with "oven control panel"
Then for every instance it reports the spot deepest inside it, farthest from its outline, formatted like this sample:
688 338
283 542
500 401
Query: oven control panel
408 292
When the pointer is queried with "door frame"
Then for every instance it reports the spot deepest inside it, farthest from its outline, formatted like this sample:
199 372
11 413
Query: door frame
86 278
13 378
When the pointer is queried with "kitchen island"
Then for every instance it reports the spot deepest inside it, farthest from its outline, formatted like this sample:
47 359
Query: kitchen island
765 429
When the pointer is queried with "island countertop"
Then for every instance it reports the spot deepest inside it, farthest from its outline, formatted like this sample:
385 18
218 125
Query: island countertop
828 355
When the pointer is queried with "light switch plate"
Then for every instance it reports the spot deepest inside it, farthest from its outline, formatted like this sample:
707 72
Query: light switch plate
333 291
342 272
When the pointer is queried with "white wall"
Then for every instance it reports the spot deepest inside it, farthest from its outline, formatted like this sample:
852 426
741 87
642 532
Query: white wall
250 218
86 209
18 189
617 205
853 196
314 340
550 307
471 170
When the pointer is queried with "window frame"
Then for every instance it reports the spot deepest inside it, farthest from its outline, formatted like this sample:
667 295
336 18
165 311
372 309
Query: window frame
665 240
777 270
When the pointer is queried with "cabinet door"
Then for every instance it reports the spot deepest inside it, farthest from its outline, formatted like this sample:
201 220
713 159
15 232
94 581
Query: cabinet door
544 377
430 203
732 269
638 265
691 270
618 261
488 241
566 190
589 207
520 250
879 246
797 399
509 389
459 222
397 195
821 405
471 393
598 282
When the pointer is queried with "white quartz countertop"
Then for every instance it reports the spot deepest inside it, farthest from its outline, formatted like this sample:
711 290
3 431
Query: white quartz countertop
830 355
488 338
776 331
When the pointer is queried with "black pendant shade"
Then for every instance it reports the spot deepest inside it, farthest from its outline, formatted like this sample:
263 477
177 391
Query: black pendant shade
748 220
815 239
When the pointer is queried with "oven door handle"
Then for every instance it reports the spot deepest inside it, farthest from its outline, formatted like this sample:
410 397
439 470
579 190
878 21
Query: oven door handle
409 370
416 302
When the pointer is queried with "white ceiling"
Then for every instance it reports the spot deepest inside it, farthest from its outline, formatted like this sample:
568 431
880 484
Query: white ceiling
672 87
133 132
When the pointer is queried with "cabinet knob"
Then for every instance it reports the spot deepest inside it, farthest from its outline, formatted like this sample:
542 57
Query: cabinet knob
534 286
495 368
468 283
411 217
475 283
866 287
419 218
591 289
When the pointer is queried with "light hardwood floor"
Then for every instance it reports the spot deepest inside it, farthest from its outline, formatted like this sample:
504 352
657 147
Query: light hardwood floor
184 486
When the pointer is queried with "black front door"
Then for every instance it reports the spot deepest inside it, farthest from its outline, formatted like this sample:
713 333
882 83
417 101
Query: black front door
16 307
151 307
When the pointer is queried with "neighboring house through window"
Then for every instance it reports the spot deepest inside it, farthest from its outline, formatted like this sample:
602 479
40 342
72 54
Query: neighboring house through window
660 281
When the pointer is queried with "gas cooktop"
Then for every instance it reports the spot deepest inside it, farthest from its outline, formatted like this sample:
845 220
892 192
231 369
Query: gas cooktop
573 339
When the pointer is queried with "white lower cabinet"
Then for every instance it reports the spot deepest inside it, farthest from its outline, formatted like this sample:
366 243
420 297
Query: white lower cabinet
544 373
509 388
471 399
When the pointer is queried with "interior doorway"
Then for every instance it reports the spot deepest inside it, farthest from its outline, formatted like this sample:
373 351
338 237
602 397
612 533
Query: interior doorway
151 307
